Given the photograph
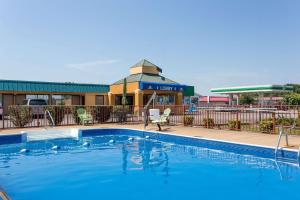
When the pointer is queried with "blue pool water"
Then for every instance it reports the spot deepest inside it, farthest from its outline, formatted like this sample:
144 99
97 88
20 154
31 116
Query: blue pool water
140 169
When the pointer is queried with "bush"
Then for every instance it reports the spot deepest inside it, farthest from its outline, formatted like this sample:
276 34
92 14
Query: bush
188 120
57 113
266 126
20 116
208 123
232 125
121 113
292 99
101 113
287 121
247 99
284 121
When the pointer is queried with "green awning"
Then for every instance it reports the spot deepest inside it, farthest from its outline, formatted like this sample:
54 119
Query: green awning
189 91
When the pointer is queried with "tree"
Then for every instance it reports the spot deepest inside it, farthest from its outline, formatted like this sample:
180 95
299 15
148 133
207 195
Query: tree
246 99
292 99
124 98
296 87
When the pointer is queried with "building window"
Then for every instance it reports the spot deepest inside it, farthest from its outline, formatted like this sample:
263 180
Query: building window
38 96
165 99
76 100
65 100
99 100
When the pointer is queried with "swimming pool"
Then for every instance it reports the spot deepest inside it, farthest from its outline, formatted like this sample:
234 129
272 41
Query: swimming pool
131 164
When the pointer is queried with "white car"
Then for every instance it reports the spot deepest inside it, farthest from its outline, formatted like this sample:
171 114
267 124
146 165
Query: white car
37 106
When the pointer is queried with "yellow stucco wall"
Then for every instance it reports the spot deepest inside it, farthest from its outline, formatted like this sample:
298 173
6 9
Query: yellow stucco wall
138 70
118 89
138 98
90 99
111 99
179 98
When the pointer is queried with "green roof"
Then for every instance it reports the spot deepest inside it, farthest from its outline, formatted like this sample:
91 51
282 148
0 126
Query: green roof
38 86
253 89
146 63
146 78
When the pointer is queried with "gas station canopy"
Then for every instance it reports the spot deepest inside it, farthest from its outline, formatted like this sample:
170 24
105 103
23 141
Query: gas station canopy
253 89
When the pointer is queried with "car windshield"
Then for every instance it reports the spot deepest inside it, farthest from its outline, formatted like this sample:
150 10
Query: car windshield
37 102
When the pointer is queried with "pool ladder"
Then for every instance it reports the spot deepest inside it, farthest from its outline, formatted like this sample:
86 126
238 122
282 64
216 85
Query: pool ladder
281 133
50 116
146 108
3 195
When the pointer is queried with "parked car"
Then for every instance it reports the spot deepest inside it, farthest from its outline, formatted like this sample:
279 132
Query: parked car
37 106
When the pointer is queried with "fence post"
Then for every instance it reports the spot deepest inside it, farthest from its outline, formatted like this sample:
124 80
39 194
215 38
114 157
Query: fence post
183 114
274 122
298 110
2 116
237 121
207 118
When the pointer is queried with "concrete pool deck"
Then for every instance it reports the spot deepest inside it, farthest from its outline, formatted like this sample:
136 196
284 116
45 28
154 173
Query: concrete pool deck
225 135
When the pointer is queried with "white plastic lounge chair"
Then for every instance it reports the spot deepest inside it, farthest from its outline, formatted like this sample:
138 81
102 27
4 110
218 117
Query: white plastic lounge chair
163 119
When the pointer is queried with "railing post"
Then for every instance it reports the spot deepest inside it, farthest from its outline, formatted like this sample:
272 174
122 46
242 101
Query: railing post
183 114
207 118
298 110
2 118
274 122
237 121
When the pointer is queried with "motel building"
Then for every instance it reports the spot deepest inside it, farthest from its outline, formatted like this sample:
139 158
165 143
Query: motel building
144 79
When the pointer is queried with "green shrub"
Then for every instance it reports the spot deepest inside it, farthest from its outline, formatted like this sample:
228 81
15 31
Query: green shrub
247 99
266 126
208 123
232 125
20 116
188 120
121 112
101 113
284 121
292 99
57 113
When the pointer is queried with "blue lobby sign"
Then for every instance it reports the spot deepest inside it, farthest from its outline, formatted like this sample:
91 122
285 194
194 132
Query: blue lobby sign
164 87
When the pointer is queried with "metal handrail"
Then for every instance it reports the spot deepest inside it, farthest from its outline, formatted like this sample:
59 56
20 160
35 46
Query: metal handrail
146 109
51 118
281 132
3 195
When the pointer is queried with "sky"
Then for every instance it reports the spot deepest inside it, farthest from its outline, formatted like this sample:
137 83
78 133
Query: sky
205 43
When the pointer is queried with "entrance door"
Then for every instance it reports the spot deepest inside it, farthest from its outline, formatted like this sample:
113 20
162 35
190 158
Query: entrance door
8 100
130 100
75 100
20 99
146 98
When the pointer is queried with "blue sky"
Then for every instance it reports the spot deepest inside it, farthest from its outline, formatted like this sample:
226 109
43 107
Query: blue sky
212 43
